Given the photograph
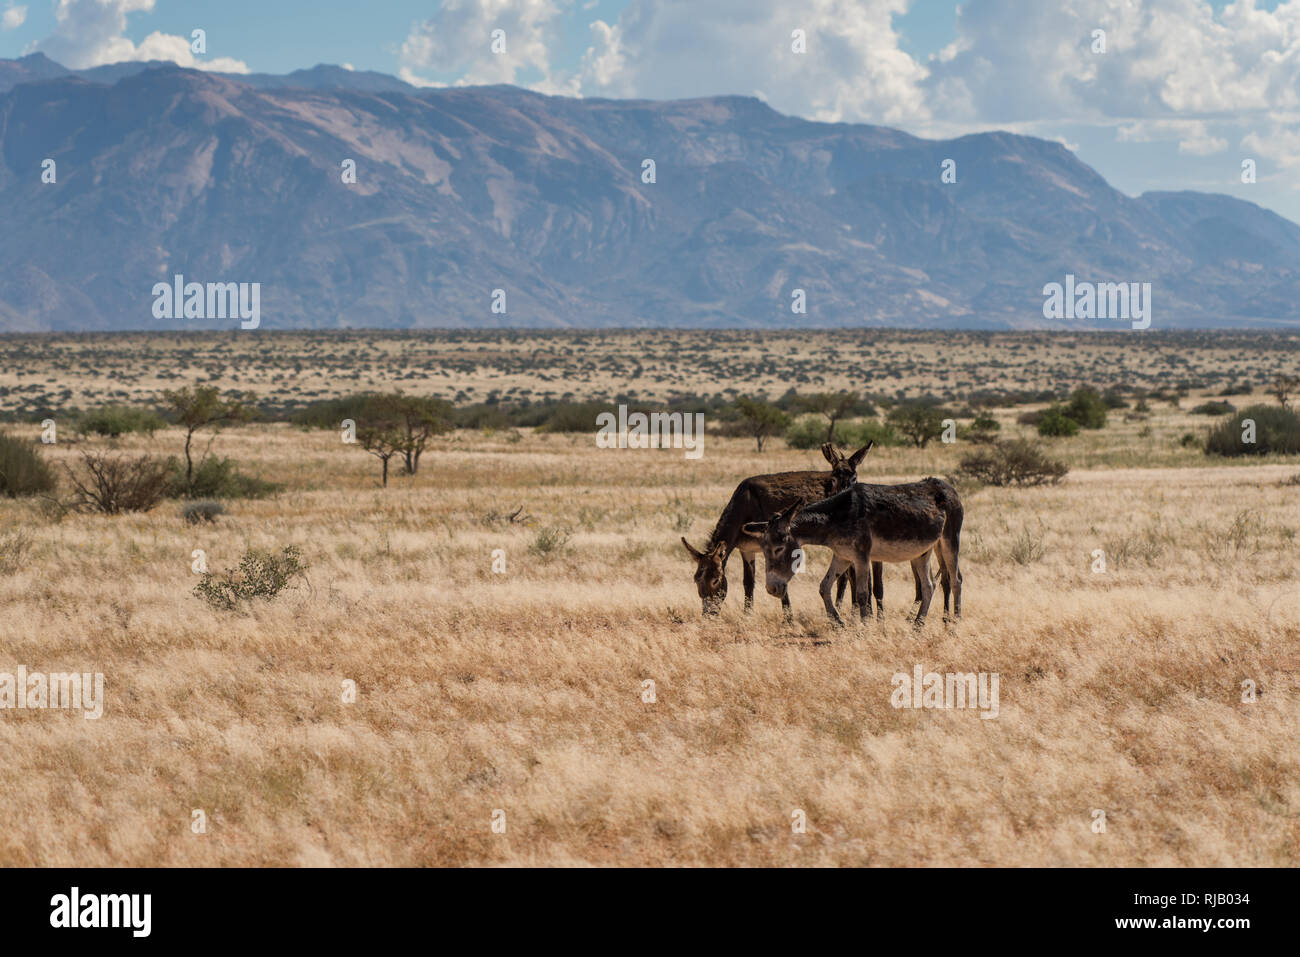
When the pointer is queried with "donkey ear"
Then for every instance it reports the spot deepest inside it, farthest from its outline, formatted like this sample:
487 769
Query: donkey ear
788 515
831 453
694 554
755 529
856 458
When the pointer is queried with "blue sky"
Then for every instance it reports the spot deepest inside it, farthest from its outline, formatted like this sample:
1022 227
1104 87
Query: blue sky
1184 92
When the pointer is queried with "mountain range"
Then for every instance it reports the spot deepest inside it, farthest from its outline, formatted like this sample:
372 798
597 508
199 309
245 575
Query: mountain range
460 192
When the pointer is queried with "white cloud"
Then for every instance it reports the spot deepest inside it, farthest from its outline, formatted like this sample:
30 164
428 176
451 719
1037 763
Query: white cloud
92 32
853 68
1280 143
1026 60
1193 136
13 17
1175 71
457 40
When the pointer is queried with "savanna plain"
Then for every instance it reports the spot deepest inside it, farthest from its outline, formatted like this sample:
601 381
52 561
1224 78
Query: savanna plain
519 694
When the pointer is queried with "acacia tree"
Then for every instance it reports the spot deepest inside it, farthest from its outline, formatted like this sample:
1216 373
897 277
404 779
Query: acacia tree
833 405
199 408
1283 387
761 419
919 423
394 424
420 420
382 437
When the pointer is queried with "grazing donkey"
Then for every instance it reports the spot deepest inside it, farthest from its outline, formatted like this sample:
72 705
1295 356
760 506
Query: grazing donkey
754 498
887 523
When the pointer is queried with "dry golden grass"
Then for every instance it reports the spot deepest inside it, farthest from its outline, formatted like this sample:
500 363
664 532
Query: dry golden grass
523 692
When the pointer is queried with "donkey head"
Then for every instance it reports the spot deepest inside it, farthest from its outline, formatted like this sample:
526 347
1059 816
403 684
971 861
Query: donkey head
844 470
779 547
710 575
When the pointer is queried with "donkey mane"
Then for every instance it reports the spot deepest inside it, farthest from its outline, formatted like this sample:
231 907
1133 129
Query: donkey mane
753 495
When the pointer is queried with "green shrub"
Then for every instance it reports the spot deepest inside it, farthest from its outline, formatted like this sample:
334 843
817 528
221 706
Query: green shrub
857 434
1055 423
805 433
261 574
576 417
330 413
481 417
984 428
115 420
1277 429
23 471
1214 408
1012 462
809 433
1087 408
215 478
549 542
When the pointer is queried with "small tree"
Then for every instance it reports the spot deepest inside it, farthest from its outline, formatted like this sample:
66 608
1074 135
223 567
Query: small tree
420 419
1283 387
761 419
917 422
833 405
383 440
199 408
394 424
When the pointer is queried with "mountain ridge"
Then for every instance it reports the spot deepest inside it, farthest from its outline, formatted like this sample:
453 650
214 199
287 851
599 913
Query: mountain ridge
465 190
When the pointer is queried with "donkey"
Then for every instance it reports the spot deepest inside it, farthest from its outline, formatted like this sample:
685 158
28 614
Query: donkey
754 498
887 523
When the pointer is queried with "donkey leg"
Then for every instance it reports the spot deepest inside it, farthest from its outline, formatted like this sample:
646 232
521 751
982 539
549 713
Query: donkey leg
840 585
878 586
838 565
748 560
921 569
948 551
864 600
916 600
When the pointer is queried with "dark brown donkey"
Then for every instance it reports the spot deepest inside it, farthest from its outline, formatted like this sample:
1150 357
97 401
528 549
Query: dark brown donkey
755 498
885 523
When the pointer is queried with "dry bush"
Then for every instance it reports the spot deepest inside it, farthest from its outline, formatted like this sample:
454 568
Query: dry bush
1012 462
15 547
111 483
